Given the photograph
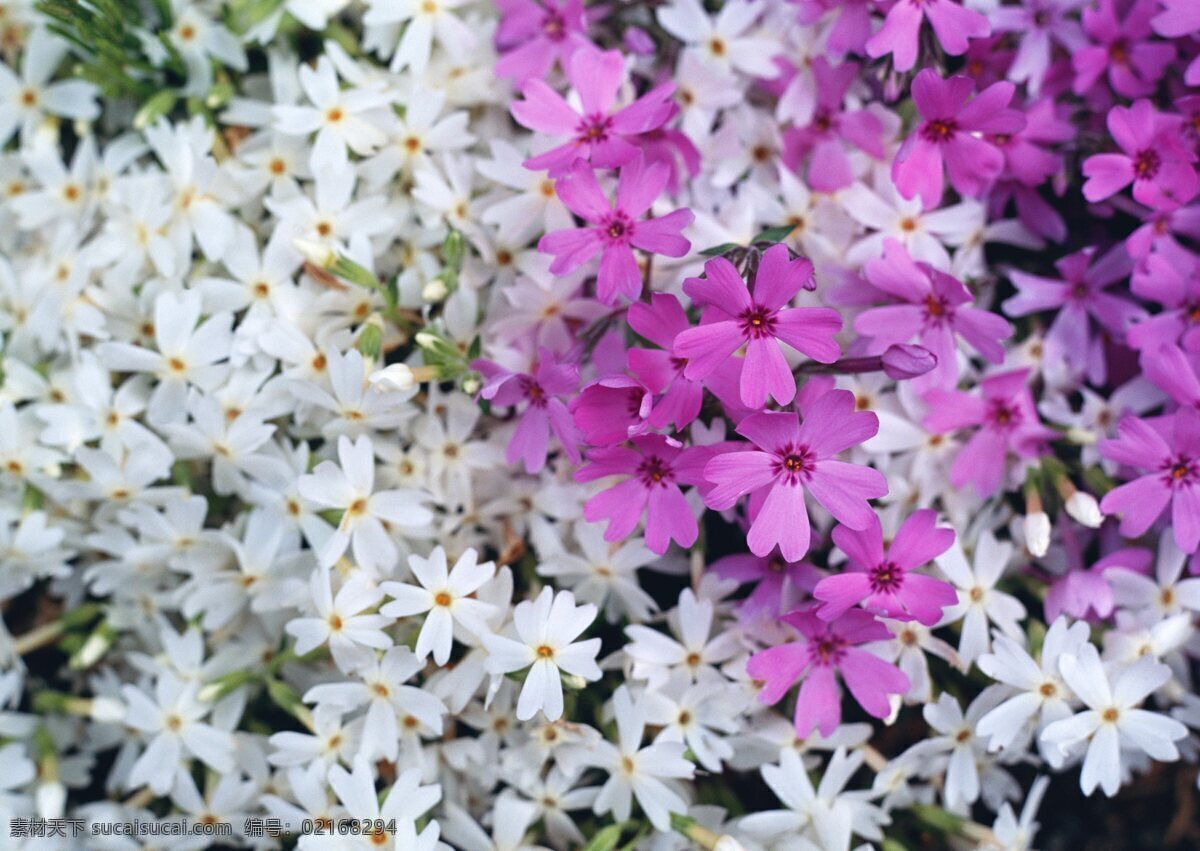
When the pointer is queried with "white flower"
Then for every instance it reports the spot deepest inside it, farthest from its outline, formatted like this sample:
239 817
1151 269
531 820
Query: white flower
405 802
350 488
340 621
646 774
172 720
605 574
726 42
341 118
978 600
546 630
26 100
698 651
1040 690
1164 595
1112 719
446 596
425 21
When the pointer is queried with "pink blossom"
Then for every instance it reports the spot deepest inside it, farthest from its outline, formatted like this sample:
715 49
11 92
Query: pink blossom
532 36
823 140
544 412
1179 19
1169 458
953 25
792 457
1039 24
615 229
851 25
734 317
1171 279
882 578
944 138
1122 48
605 138
777 583
662 372
612 409
1153 158
654 469
824 649
1085 310
935 309
1005 420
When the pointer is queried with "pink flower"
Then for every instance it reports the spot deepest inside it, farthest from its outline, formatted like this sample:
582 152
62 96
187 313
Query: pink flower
615 230
882 580
777 583
824 140
1172 279
1005 420
733 318
605 138
1080 300
1170 457
662 372
544 412
1038 24
655 468
1179 19
823 650
1153 158
953 25
793 457
936 310
944 137
612 409
1122 47
533 36
851 22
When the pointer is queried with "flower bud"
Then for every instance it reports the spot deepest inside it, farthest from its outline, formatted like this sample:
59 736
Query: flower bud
1037 533
728 843
51 799
397 376
435 290
905 361
107 710
314 252
1084 508
638 42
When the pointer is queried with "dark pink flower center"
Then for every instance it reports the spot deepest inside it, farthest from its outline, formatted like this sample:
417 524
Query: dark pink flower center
794 464
937 311
758 322
594 129
1181 471
655 472
617 229
633 402
679 364
886 578
827 650
1146 164
939 130
1003 415
823 121
554 27
533 392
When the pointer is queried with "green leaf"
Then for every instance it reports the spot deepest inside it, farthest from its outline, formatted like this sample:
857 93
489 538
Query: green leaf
606 839
775 234
718 250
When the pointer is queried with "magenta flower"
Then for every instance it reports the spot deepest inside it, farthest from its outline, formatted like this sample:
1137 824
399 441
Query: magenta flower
936 310
1005 420
607 139
612 409
851 22
655 468
544 412
794 456
532 36
778 584
1171 279
1039 24
1084 593
881 578
1179 19
823 650
1122 47
944 138
825 139
615 230
1026 158
953 25
1170 457
1153 158
733 317
1080 300
662 372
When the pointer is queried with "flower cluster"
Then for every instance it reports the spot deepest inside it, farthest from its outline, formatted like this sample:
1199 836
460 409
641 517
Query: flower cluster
769 424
